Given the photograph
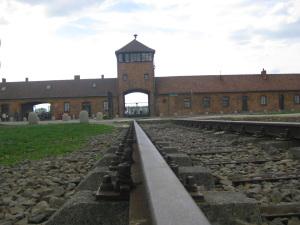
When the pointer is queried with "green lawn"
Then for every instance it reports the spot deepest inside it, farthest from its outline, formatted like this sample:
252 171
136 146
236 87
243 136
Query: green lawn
37 141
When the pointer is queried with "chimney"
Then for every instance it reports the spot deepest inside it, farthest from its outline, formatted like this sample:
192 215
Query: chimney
264 74
102 76
3 80
26 79
77 77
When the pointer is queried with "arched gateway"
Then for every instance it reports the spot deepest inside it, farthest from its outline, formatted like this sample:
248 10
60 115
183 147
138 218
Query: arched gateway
135 73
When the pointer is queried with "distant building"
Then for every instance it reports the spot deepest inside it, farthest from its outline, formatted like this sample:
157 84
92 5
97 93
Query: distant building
167 96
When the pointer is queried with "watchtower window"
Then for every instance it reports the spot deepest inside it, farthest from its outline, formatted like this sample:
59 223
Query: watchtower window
146 57
125 77
146 76
120 57
133 57
127 57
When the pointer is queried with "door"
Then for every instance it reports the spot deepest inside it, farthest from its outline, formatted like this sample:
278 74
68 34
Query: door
281 102
4 112
87 107
244 103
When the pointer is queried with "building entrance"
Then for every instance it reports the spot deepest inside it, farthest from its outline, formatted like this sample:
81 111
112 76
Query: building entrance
136 104
281 102
244 103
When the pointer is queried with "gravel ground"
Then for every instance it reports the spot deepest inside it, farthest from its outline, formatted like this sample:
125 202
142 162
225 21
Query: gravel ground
32 191
190 140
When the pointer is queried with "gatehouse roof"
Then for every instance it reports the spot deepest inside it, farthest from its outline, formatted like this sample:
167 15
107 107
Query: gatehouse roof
135 46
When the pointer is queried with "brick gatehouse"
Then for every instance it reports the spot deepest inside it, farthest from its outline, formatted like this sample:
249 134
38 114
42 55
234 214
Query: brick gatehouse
167 96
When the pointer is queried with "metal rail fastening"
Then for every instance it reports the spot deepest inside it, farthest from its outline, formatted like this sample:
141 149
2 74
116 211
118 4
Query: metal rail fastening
168 200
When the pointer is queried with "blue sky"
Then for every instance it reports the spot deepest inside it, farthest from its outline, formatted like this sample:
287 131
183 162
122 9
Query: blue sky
57 39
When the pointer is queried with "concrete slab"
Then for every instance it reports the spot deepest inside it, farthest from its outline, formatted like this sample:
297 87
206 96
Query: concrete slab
83 209
112 149
106 160
161 144
295 152
93 179
273 146
181 159
169 150
203 176
223 208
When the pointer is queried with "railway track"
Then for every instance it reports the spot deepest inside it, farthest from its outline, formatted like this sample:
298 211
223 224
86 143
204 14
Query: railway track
143 177
186 173
246 157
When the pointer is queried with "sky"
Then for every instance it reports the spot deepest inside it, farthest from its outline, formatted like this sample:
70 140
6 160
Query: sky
54 40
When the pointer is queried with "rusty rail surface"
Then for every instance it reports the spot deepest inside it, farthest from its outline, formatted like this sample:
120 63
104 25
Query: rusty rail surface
273 129
168 200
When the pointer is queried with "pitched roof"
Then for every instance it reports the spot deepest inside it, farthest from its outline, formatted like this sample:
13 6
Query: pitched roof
227 83
135 46
57 88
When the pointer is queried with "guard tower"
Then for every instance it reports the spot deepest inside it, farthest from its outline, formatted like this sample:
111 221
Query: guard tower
135 73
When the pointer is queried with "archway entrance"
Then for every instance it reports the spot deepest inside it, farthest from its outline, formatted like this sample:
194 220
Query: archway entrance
136 104
43 110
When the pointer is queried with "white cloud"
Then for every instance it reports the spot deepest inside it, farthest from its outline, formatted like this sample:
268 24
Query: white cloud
58 39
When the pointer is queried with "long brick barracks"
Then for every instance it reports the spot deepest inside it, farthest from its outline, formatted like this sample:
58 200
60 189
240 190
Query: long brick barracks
167 96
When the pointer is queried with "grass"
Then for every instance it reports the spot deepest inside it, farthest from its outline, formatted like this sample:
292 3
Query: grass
33 142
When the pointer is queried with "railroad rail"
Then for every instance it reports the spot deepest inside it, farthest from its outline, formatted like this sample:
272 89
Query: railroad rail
231 158
282 130
168 200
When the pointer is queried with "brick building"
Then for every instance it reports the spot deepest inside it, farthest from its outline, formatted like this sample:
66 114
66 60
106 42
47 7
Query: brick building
167 96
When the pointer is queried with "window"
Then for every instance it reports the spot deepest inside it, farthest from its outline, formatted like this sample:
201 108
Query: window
263 100
225 101
125 77
87 107
147 57
206 102
144 56
146 76
120 57
297 99
66 107
187 103
133 57
127 57
105 106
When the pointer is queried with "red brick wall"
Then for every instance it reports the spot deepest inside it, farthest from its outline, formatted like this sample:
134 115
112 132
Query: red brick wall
57 105
174 105
135 81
